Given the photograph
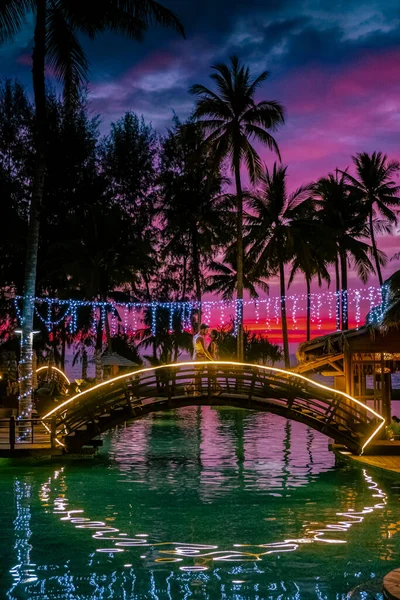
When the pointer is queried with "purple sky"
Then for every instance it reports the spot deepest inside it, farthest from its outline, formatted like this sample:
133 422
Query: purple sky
334 65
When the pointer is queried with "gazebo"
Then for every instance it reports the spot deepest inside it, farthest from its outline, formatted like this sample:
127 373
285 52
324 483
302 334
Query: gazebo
112 364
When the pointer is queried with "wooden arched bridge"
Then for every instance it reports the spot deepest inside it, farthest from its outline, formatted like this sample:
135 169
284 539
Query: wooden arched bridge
81 418
49 373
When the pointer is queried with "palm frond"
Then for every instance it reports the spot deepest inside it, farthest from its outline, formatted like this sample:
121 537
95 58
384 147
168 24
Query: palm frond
13 15
65 54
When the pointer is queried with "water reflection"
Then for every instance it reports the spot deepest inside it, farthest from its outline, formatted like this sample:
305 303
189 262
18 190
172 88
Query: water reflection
201 503
116 541
23 571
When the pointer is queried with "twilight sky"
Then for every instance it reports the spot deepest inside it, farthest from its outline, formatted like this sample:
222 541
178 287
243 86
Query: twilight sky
334 65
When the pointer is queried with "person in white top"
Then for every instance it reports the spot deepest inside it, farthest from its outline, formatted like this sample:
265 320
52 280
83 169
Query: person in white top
200 354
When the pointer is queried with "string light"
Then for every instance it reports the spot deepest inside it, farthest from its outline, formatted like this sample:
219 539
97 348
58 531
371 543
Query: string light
257 311
358 309
267 315
277 309
337 310
330 307
94 321
207 311
353 298
189 309
319 304
134 321
114 316
294 308
153 319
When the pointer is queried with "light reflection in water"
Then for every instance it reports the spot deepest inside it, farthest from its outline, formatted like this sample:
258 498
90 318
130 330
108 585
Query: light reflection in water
260 492
177 551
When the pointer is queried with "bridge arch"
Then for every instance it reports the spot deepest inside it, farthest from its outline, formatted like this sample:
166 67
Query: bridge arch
83 417
53 373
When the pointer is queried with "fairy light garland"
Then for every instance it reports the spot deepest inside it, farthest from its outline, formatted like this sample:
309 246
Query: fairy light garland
257 311
358 309
337 310
126 312
267 315
153 319
294 313
262 306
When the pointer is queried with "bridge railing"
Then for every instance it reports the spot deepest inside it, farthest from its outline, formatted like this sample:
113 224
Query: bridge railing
16 434
291 394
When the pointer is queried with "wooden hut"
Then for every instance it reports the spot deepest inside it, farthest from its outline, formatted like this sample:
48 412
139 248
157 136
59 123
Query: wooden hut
361 362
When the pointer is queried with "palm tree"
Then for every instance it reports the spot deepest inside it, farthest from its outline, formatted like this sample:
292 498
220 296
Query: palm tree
56 46
224 279
343 218
271 234
233 120
311 257
378 191
391 316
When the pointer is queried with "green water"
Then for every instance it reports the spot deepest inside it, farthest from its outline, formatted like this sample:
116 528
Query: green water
199 503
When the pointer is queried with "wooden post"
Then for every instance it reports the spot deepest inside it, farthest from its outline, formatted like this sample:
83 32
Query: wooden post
53 433
12 433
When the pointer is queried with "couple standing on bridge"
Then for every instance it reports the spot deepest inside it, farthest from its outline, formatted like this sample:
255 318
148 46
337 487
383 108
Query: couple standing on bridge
202 353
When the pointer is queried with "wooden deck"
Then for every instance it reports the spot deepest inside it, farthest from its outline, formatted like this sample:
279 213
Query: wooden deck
387 463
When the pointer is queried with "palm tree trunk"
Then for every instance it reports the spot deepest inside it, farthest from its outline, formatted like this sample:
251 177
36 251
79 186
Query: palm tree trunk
196 269
345 312
308 284
196 264
63 344
108 334
283 315
38 57
184 283
337 304
375 248
239 260
98 351
84 363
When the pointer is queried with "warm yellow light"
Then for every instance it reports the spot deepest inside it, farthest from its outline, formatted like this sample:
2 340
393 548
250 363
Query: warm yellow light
232 364
55 369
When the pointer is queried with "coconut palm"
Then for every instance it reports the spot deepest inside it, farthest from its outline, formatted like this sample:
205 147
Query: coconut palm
56 46
312 252
271 233
378 191
233 121
343 217
391 316
224 279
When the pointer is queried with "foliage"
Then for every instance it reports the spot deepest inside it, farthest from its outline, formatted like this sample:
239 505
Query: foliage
168 342
379 194
257 348
195 216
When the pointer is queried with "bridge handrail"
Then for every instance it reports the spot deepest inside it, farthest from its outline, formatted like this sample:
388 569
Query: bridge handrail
291 390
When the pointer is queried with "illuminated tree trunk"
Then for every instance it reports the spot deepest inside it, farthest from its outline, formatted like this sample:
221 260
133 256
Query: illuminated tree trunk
84 363
38 57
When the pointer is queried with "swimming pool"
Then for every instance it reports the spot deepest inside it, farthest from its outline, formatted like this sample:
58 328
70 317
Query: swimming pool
198 503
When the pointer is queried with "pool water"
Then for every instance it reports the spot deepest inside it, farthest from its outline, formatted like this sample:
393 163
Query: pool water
200 503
